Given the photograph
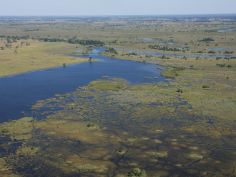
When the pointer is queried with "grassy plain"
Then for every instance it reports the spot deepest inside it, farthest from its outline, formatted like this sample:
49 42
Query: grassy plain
36 56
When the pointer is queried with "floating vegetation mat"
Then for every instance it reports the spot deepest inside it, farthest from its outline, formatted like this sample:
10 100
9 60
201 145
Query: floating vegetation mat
111 128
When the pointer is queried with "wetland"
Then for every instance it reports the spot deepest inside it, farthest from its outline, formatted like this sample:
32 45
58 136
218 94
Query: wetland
140 96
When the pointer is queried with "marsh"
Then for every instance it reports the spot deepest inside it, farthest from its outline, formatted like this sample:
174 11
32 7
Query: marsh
94 96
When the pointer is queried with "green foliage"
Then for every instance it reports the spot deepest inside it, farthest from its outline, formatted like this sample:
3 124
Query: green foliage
179 91
52 40
172 72
166 48
137 172
228 52
208 39
112 51
205 86
224 65
73 40
85 42
11 39
114 85
132 53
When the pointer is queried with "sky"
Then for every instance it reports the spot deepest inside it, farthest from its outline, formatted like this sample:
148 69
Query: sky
114 7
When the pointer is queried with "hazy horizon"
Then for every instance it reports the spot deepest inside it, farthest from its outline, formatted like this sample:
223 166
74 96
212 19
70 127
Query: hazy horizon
100 15
116 8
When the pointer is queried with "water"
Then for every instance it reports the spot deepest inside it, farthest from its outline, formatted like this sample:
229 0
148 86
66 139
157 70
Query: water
18 93
219 49
226 30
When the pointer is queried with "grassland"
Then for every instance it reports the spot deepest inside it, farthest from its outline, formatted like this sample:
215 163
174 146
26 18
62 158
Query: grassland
35 56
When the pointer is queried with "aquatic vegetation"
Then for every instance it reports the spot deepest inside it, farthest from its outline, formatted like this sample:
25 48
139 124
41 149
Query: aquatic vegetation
111 127
5 170
172 72
112 85
26 151
136 172
74 130
19 129
183 127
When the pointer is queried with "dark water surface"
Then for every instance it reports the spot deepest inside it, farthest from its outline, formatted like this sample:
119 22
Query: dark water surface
18 93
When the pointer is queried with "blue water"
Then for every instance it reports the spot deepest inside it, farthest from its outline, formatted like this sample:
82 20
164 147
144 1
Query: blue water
18 93
226 30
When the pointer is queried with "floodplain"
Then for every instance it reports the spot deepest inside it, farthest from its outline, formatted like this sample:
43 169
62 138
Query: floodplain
182 125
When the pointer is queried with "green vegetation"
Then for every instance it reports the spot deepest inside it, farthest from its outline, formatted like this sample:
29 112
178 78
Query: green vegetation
86 42
166 48
115 127
208 39
113 85
172 72
112 51
183 127
136 172
18 130
36 56
74 40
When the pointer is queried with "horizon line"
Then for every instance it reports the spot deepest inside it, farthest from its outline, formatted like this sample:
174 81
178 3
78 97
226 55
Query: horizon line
102 15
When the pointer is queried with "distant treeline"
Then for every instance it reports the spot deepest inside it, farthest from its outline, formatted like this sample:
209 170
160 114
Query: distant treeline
73 40
14 38
165 48
86 42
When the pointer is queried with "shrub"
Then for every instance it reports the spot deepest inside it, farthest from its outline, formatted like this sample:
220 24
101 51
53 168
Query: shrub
112 50
208 39
137 172
205 87
220 65
211 52
228 52
179 91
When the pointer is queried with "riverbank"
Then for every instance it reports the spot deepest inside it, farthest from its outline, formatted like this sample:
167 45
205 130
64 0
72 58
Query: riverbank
16 99
34 55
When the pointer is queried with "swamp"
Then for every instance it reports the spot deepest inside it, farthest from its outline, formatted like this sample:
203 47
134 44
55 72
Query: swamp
118 96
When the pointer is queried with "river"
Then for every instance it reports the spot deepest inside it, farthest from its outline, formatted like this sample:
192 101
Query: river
19 92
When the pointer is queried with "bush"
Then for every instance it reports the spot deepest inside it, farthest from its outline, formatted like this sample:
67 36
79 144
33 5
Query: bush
208 39
179 91
220 65
137 172
224 65
228 52
211 52
112 50
132 53
165 48
205 87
